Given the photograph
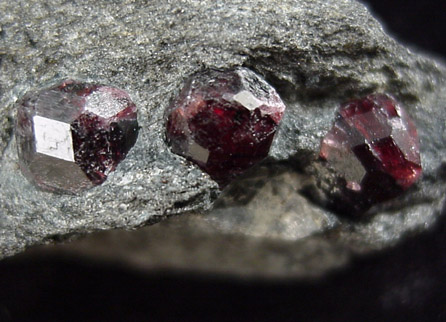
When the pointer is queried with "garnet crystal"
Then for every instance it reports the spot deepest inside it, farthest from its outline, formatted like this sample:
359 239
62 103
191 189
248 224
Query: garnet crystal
224 121
72 135
374 148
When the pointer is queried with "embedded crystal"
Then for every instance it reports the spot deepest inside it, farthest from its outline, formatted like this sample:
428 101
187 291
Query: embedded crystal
224 121
72 135
373 147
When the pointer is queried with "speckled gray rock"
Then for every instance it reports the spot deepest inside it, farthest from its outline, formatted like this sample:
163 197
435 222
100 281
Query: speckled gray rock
316 54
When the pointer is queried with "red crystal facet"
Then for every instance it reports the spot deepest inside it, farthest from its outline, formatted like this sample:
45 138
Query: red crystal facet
224 121
374 148
72 135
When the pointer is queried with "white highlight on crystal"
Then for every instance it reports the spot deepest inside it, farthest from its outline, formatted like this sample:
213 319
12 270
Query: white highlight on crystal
247 100
53 138
344 161
353 186
104 104
198 152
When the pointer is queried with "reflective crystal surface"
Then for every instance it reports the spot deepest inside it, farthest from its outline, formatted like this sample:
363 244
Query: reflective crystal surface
72 135
374 148
224 121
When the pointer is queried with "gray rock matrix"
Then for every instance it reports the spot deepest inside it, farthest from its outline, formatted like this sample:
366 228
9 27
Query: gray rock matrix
317 54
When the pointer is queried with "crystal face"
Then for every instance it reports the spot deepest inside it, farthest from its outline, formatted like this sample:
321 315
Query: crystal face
374 148
224 121
72 135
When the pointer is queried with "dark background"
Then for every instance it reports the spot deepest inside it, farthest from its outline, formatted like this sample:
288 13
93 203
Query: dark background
406 283
421 24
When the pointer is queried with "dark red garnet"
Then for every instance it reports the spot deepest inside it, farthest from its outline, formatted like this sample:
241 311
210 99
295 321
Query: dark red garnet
224 121
72 135
374 149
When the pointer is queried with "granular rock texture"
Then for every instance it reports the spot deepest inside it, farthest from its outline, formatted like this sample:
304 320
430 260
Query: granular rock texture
316 54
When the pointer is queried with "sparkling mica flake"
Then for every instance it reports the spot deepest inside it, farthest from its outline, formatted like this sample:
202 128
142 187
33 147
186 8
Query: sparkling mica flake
224 121
72 135
374 148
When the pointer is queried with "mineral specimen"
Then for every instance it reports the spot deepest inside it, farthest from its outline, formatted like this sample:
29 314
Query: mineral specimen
224 121
72 135
374 147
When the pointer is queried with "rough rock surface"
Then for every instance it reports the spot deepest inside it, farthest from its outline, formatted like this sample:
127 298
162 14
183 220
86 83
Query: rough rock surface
317 54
